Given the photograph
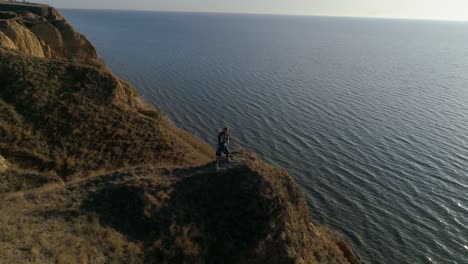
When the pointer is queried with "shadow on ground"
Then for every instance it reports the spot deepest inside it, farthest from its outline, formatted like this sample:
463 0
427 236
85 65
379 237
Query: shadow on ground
209 217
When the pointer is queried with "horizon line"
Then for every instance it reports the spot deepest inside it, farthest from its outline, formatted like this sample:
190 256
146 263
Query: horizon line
268 14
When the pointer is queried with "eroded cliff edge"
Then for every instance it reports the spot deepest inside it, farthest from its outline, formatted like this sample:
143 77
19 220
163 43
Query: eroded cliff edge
89 173
41 31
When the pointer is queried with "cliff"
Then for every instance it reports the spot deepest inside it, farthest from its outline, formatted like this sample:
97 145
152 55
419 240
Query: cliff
41 31
90 173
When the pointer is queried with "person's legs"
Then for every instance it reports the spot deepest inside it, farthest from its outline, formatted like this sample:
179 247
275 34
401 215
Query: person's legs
218 156
227 152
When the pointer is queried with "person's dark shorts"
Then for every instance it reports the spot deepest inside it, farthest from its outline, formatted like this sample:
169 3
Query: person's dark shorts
222 149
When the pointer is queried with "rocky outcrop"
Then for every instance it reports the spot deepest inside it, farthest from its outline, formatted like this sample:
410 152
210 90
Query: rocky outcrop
6 42
41 31
3 164
75 45
47 12
50 35
23 38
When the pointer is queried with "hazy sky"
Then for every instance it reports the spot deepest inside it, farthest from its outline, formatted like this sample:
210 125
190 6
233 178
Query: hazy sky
420 9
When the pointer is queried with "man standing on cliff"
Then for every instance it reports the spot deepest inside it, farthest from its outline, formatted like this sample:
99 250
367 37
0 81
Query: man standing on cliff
223 142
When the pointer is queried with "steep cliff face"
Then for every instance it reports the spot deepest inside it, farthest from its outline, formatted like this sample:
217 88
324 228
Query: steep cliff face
6 42
50 35
75 45
23 38
42 32
3 164
102 177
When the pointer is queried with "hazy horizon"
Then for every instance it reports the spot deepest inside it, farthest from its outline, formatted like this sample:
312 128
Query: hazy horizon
449 10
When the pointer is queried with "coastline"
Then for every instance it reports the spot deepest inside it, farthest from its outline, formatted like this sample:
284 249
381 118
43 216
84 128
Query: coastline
61 131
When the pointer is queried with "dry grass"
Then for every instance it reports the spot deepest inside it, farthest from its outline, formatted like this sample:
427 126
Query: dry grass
72 118
14 180
249 213
50 233
203 148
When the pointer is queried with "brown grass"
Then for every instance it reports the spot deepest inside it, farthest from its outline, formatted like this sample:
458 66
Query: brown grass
249 213
69 118
14 180
45 234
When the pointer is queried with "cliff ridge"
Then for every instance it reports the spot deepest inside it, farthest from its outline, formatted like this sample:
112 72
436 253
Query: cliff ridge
41 31
90 173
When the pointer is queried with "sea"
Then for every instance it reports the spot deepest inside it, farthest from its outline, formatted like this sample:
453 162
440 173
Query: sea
370 116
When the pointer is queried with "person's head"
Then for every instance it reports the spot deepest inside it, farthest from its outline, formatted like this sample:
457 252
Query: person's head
226 130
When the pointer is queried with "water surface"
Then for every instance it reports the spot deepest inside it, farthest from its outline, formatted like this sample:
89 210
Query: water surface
370 116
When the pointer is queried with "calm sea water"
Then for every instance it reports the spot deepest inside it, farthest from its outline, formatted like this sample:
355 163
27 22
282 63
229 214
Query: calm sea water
370 116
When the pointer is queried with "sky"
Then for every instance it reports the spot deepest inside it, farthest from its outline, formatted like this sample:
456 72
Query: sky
412 9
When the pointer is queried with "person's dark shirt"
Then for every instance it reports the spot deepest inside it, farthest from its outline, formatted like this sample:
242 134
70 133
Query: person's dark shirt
223 138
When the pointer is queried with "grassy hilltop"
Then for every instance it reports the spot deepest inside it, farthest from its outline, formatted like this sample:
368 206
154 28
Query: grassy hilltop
90 173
